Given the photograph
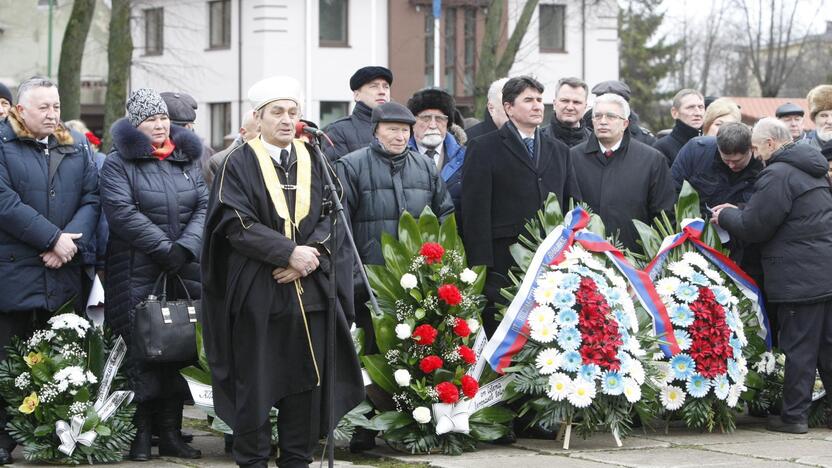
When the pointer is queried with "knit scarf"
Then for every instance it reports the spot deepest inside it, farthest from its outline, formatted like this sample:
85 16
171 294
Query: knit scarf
165 150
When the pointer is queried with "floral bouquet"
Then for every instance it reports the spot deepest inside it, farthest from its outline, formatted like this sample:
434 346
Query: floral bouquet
430 303
57 384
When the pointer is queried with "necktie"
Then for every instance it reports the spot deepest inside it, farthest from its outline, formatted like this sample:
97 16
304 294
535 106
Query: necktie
284 159
529 146
431 153
608 153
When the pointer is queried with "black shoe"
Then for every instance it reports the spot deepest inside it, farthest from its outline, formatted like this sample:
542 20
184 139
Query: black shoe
140 447
170 437
362 439
187 437
229 442
6 457
776 424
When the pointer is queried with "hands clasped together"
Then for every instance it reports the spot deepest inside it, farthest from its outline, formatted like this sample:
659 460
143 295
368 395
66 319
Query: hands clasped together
63 252
302 262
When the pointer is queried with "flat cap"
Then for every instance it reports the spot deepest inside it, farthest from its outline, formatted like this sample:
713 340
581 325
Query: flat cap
181 107
612 86
392 112
275 88
367 74
5 93
788 108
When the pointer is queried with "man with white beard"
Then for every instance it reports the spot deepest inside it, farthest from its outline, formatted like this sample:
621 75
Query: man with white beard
437 136
820 111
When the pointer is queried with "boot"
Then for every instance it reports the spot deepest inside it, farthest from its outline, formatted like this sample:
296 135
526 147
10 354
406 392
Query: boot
140 448
170 438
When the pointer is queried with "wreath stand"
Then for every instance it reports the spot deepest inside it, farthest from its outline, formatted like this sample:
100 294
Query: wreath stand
565 434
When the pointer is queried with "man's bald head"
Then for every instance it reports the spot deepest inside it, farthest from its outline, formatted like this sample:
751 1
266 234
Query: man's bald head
769 135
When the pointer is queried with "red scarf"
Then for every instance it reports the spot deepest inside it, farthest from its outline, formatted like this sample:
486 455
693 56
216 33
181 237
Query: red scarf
164 151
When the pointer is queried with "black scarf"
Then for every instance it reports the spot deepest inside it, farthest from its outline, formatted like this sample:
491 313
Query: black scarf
572 136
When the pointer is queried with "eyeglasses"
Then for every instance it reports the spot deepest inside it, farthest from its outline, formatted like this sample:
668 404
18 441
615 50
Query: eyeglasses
606 115
440 119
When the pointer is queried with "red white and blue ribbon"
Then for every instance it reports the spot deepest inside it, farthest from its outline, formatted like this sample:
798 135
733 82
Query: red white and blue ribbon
513 331
692 230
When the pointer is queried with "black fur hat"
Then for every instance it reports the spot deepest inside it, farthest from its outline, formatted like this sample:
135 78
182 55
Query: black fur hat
432 98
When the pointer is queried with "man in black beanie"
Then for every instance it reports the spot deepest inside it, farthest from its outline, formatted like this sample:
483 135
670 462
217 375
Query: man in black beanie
5 102
371 87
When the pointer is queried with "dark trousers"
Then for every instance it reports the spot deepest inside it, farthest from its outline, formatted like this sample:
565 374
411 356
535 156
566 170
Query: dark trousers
22 325
806 340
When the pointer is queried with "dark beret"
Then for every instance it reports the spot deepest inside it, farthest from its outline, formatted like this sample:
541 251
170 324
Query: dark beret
181 107
5 93
392 112
368 74
789 108
612 86
432 98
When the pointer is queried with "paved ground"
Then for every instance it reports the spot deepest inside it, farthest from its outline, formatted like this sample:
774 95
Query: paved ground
749 446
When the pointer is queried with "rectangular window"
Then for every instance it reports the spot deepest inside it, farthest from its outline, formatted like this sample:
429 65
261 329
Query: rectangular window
332 111
470 50
154 31
450 50
552 32
219 21
220 124
429 49
333 18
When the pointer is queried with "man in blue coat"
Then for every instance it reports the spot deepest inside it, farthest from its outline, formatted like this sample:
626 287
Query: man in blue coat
49 210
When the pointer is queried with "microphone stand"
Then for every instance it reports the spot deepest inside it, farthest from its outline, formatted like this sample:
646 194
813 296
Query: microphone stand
336 214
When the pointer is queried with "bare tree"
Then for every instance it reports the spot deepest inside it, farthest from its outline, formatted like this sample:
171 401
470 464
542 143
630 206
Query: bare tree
72 52
119 56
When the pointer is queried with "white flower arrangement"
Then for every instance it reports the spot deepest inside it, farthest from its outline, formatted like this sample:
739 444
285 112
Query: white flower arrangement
70 321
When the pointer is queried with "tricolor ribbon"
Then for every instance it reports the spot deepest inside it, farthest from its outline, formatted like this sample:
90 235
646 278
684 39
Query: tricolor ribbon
692 230
513 331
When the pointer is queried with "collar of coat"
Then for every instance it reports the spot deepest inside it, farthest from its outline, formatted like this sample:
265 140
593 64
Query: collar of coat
133 144
62 134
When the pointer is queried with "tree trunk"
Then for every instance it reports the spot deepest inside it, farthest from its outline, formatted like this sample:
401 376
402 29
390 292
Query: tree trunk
72 52
119 57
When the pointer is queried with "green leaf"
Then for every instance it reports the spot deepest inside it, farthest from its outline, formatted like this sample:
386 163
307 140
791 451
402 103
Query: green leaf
419 313
448 236
651 241
196 374
409 234
41 371
103 430
552 214
389 421
429 225
488 432
380 372
479 284
492 414
596 224
396 257
688 204
521 255
95 353
200 351
442 375
384 283
416 294
43 430
385 330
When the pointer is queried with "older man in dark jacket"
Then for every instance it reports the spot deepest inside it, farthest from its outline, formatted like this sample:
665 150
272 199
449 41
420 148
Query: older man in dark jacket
790 213
49 208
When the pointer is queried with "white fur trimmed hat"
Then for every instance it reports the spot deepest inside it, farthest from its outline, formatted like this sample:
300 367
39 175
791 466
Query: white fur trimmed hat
820 99
275 88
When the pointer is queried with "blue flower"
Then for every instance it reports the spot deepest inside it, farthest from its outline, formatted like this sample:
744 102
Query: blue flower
582 270
625 335
612 383
721 294
734 370
721 386
622 318
731 320
698 386
686 293
571 361
570 282
735 344
682 366
567 318
569 338
682 339
681 315
613 296
588 372
700 279
563 300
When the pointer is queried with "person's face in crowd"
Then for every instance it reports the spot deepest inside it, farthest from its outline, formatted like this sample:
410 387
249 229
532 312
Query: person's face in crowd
277 122
736 162
157 128
795 124
570 105
4 108
40 109
373 93
714 128
691 111
393 136
823 123
430 128
763 147
249 128
609 122
527 110
497 113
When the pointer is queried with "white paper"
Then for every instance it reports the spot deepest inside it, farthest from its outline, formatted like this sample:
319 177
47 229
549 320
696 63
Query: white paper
95 303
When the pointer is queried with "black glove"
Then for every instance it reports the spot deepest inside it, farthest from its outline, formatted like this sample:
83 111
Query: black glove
177 258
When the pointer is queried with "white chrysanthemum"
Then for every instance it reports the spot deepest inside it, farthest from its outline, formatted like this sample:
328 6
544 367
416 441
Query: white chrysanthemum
548 361
473 324
403 331
91 378
408 281
543 294
734 395
615 278
559 386
672 397
582 394
71 375
713 275
577 253
634 347
593 263
541 315
695 259
666 286
637 371
402 377
70 322
544 333
681 269
468 276
632 390
551 279
664 373
421 415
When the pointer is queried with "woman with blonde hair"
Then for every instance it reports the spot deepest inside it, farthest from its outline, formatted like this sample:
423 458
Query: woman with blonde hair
721 111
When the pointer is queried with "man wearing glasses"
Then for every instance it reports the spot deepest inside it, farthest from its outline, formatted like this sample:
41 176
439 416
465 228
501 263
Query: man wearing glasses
620 178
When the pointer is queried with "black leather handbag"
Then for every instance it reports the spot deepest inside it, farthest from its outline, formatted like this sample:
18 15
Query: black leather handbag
165 331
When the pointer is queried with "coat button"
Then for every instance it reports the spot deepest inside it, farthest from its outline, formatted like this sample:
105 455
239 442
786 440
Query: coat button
52 193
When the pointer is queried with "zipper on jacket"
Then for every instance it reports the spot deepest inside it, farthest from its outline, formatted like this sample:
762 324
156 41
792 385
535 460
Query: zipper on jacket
185 173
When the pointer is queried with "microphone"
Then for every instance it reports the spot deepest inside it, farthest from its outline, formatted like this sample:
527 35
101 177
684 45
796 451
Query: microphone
303 127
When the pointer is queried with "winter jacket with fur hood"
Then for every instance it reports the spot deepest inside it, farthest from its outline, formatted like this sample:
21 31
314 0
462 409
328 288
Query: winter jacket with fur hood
41 197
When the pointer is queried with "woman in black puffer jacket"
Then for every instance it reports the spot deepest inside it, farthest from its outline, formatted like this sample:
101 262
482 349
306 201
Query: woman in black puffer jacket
155 199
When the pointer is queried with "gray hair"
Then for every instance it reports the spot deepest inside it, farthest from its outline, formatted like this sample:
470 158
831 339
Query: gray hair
572 82
32 83
683 93
611 98
495 91
772 127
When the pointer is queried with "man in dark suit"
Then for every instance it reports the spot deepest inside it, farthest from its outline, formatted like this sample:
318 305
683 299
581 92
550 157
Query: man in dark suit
507 176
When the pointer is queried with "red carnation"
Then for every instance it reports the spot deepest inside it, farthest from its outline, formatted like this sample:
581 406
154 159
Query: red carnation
470 387
425 335
448 392
467 354
461 328
430 364
432 252
449 293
